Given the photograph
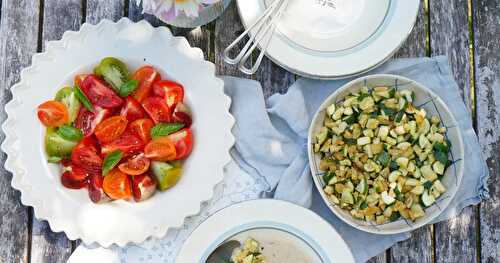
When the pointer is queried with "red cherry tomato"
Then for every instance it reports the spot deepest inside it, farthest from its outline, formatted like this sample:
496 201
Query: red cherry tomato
142 128
96 192
136 165
87 120
74 177
53 113
143 187
183 114
161 149
132 110
157 109
183 141
79 79
117 185
128 143
146 76
86 155
99 93
111 128
172 92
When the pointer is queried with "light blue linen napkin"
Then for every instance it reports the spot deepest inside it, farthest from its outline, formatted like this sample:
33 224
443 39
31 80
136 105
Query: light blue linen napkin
270 147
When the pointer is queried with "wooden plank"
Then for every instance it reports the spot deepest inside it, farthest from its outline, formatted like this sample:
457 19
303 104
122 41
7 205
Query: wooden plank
58 17
419 248
380 258
486 17
98 10
415 45
227 28
18 42
273 78
455 239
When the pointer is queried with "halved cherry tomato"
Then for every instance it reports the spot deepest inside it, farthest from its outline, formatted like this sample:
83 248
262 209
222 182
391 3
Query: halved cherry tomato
157 109
183 114
142 128
53 113
86 155
136 165
132 110
99 93
87 120
128 143
96 192
183 141
117 185
172 92
111 128
161 149
79 79
74 177
143 187
146 76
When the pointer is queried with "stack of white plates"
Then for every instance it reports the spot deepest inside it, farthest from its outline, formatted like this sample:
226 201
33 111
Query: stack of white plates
331 39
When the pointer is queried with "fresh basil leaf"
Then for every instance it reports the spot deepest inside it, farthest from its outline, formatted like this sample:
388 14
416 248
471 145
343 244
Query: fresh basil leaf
83 99
363 206
327 177
164 129
128 87
70 133
413 95
54 159
440 156
392 93
394 216
350 141
384 158
393 166
110 161
351 119
399 116
427 184
441 147
399 196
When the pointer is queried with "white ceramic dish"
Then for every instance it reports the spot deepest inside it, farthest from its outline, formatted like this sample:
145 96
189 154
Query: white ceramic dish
117 222
426 99
268 221
331 39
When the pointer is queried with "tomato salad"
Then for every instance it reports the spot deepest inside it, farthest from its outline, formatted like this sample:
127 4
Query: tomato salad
121 136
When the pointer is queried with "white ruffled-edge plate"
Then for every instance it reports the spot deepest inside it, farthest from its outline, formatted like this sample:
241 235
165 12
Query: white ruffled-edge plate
263 214
372 52
118 222
435 106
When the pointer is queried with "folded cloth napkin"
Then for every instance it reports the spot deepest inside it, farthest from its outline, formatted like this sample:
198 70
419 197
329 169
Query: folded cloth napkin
270 157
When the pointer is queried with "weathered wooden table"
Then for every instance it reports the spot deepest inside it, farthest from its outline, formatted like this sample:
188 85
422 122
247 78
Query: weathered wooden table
468 31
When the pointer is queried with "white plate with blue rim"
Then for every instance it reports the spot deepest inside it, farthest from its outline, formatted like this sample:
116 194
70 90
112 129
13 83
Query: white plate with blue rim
286 233
332 39
434 106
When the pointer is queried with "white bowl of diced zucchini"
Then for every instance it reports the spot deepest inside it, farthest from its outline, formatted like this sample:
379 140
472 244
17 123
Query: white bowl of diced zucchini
386 154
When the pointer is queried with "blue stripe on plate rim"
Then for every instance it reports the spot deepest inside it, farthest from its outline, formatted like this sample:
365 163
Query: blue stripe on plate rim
272 225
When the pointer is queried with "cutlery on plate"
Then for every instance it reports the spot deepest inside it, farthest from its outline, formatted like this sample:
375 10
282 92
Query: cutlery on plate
223 252
264 26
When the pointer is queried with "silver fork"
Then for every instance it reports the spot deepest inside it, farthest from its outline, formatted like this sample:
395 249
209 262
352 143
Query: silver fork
264 26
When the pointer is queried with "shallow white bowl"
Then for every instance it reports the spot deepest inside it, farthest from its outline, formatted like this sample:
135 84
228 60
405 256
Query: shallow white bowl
278 225
117 222
426 99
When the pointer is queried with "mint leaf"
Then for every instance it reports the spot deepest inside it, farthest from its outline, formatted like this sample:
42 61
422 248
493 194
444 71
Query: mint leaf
83 99
164 129
110 161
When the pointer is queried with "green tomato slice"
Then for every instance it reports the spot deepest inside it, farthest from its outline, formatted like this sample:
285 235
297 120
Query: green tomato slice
56 145
67 96
113 71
